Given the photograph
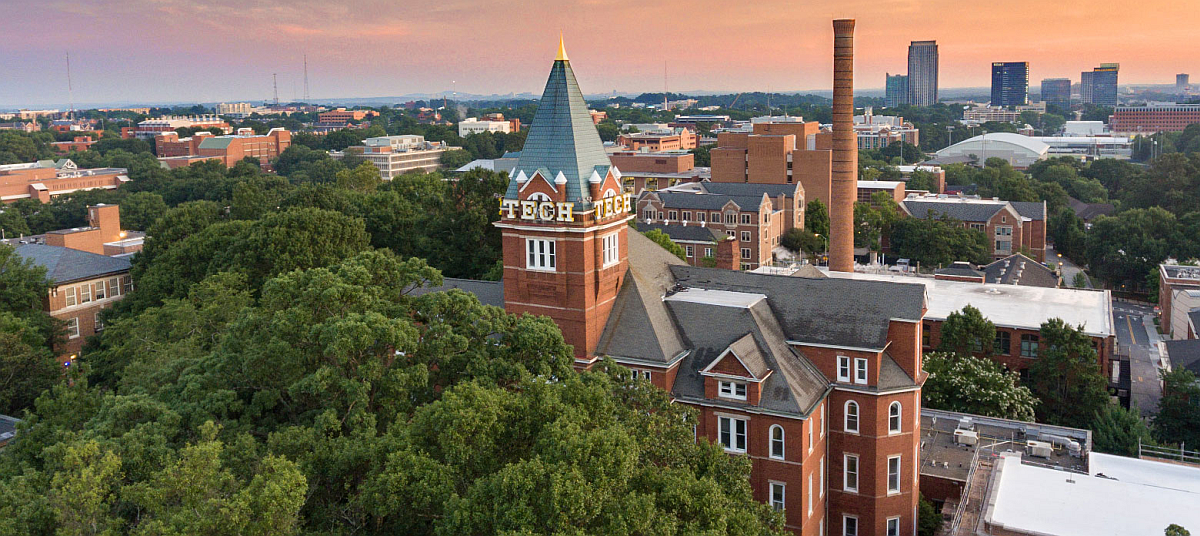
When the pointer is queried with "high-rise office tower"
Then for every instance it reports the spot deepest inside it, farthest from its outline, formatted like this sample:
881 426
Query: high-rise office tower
896 92
1010 83
923 73
1181 83
1099 86
1057 91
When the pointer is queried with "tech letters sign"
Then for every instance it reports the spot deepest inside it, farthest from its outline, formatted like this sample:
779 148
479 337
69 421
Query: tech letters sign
535 210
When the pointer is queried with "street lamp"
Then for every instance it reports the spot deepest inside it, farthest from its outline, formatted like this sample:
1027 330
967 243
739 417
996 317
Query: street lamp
825 240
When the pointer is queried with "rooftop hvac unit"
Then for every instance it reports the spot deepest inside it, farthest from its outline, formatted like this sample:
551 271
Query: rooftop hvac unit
966 437
965 423
1040 449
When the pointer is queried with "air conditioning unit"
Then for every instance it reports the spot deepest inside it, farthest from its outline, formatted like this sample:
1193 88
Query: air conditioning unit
966 437
1040 449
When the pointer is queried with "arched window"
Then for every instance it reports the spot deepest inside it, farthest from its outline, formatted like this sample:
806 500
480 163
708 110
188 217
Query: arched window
894 418
538 196
851 424
777 442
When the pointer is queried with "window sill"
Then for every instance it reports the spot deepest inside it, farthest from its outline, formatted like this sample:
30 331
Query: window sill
544 270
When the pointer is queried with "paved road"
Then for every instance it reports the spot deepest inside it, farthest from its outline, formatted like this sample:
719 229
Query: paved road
1069 269
1135 331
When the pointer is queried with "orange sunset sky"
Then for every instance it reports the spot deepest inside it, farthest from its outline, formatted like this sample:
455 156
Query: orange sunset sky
224 50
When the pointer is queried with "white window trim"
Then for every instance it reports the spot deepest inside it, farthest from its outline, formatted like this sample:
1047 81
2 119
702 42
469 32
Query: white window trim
541 261
771 484
732 447
846 487
860 370
898 417
808 426
846 417
782 442
77 331
856 527
810 494
843 360
822 471
610 247
733 388
887 528
899 474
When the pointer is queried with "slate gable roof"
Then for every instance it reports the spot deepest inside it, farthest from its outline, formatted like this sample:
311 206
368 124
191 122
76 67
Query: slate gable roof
692 201
64 265
1184 354
954 209
832 311
1034 210
1032 274
640 327
562 138
959 269
488 292
750 188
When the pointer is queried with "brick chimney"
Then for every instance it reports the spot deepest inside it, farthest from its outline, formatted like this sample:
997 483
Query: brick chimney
726 255
845 151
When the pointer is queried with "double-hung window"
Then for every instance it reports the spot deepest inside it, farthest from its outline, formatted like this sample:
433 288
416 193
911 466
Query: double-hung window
745 253
1029 345
860 370
843 371
85 293
849 525
70 294
73 328
893 474
777 443
777 495
611 249
747 219
735 390
100 290
850 473
690 250
851 424
114 287
893 526
540 254
894 418
732 434
745 236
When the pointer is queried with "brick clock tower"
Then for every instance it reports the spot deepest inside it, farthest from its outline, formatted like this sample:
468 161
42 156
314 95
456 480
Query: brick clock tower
564 219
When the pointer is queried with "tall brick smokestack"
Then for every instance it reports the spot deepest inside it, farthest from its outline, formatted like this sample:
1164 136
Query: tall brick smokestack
845 151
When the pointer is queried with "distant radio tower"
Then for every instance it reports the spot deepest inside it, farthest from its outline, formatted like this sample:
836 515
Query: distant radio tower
306 97
275 82
70 89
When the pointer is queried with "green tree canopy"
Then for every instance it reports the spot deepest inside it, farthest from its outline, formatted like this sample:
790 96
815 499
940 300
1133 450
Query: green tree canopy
661 238
1120 431
816 217
975 385
937 241
1066 377
1178 418
967 332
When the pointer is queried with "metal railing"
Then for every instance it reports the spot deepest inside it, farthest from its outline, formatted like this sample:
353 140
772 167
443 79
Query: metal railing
966 495
1175 454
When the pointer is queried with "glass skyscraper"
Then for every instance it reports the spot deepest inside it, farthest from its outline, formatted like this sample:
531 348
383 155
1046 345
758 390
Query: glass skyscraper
896 92
923 73
1057 91
1099 86
1010 83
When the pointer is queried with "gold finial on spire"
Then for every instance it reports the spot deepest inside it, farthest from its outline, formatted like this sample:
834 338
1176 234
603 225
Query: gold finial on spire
562 51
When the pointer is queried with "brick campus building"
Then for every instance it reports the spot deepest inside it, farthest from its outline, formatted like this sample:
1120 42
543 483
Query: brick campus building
817 381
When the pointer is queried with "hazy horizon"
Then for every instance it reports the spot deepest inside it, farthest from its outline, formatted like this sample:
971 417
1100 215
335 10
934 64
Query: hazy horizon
154 51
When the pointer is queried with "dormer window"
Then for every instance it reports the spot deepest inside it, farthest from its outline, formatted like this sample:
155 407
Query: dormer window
734 390
860 370
843 371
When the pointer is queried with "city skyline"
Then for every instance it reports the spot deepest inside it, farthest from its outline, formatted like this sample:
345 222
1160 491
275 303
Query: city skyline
226 51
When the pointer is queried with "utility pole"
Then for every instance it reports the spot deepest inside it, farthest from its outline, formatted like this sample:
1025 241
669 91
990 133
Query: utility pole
306 97
275 83
70 89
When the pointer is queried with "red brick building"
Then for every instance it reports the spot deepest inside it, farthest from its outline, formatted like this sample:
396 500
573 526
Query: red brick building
1010 226
150 128
342 115
80 144
817 381
85 278
1146 120
680 139
179 152
755 215
45 179
782 151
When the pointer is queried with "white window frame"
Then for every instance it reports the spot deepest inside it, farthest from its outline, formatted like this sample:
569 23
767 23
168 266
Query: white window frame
733 435
747 253
808 426
73 328
822 471
71 299
860 370
85 293
745 236
895 417
890 475
708 252
843 371
810 494
781 442
847 473
114 287
846 417
97 325
99 291
845 519
540 255
772 486
728 389
893 526
611 248
648 214
690 250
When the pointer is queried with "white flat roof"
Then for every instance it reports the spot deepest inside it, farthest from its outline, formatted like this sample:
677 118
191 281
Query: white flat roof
1010 306
889 185
722 298
1148 497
